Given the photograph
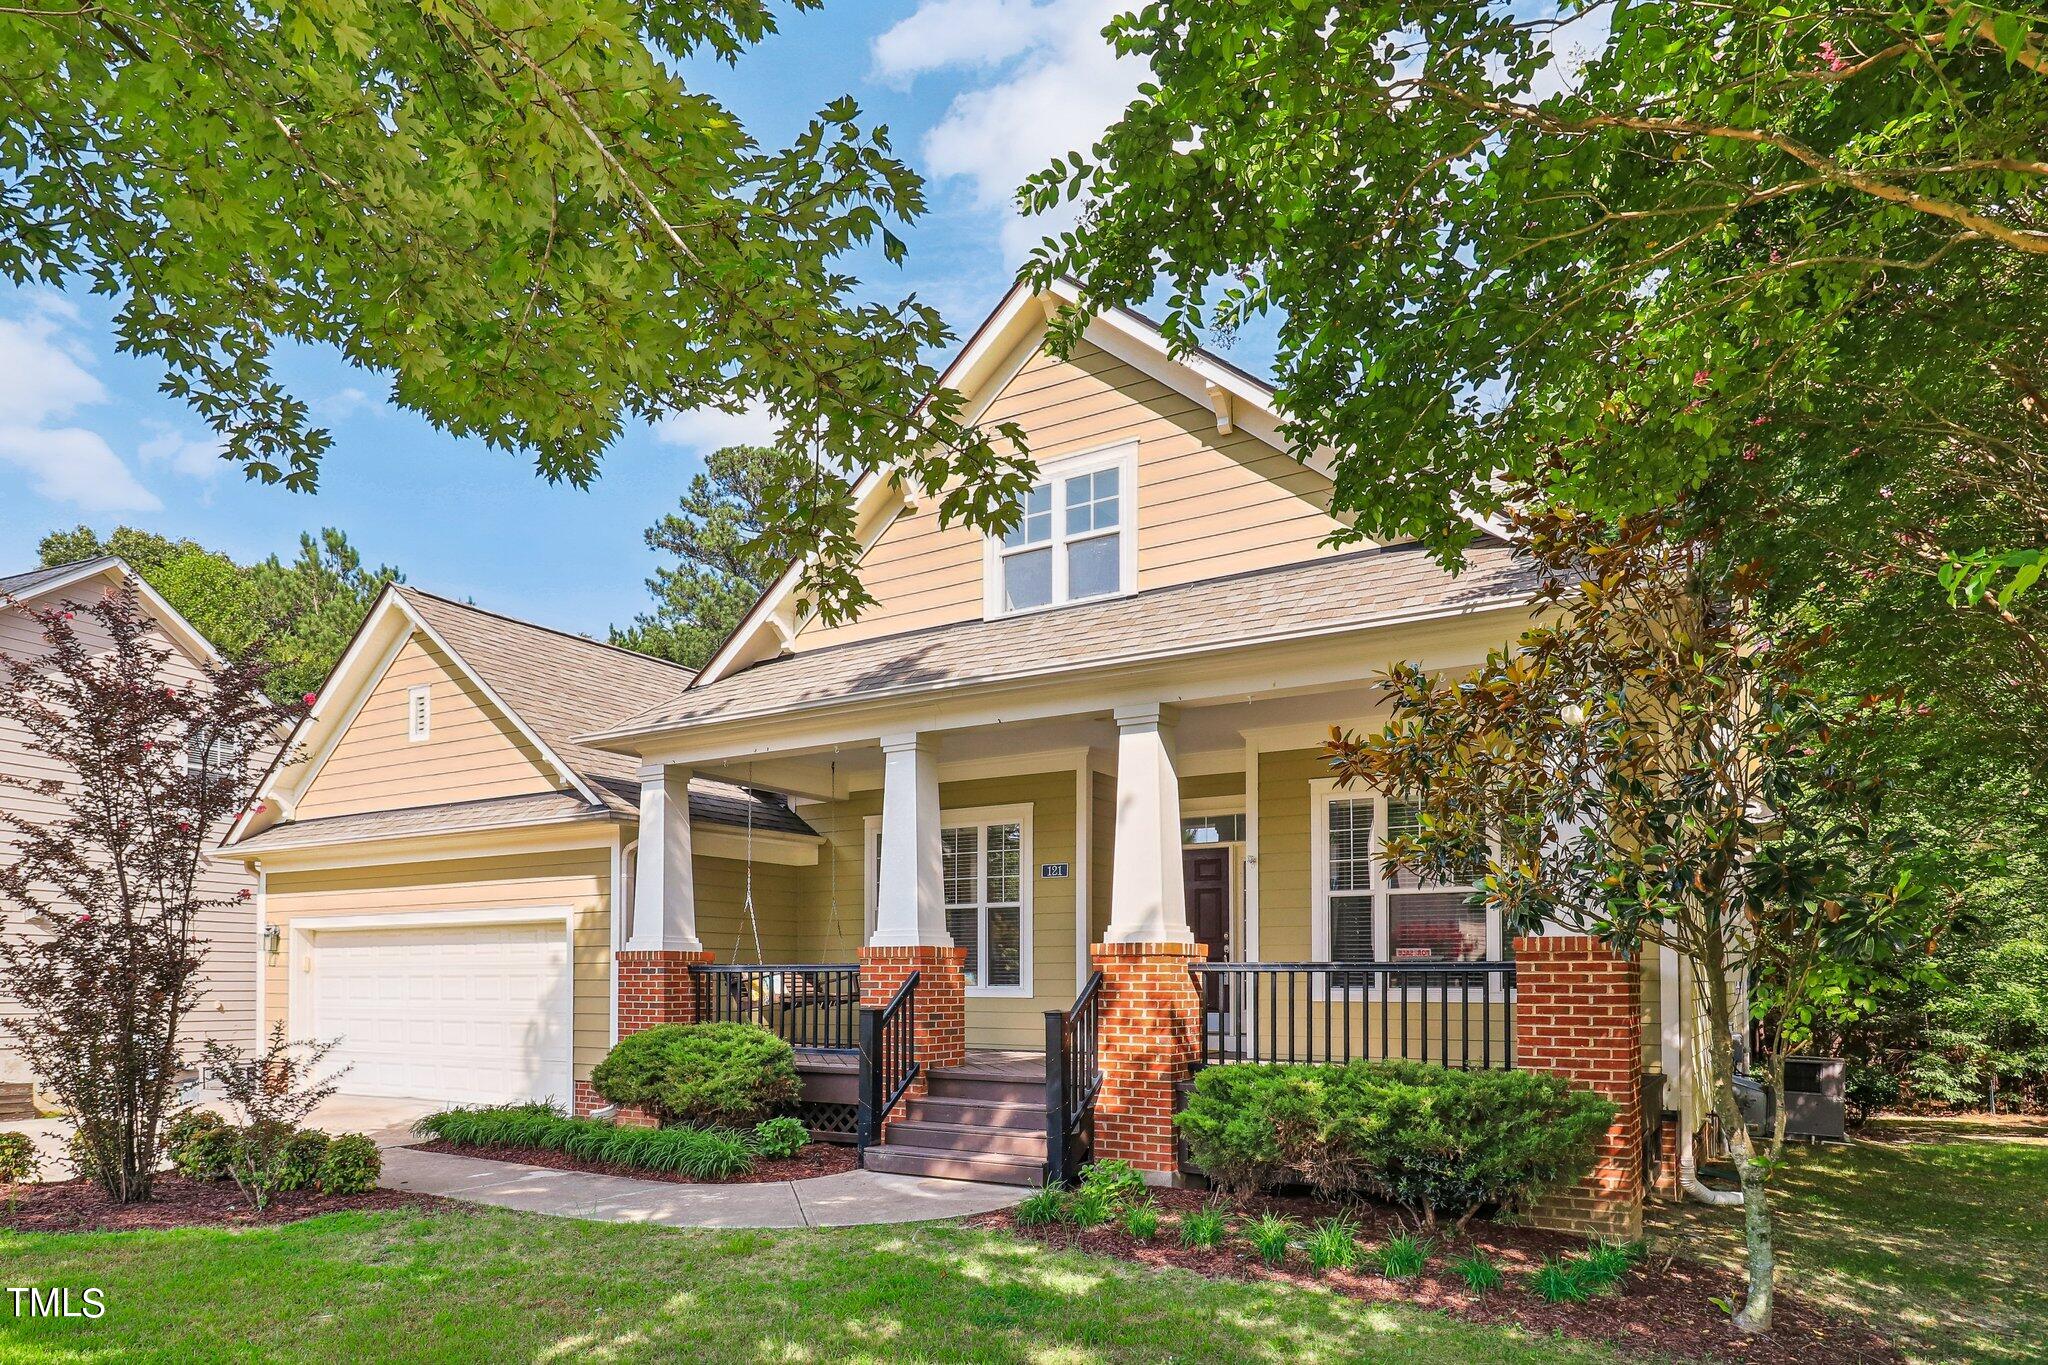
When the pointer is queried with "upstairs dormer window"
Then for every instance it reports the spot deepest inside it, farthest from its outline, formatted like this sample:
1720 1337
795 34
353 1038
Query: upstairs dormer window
1074 539
419 713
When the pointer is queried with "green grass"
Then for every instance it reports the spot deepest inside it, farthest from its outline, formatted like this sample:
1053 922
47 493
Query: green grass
1937 1240
496 1285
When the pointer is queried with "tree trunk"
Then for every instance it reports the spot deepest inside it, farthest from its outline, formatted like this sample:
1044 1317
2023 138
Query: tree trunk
1761 1255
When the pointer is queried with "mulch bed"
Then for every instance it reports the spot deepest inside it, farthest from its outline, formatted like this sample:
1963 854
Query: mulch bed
1664 1307
82 1206
816 1158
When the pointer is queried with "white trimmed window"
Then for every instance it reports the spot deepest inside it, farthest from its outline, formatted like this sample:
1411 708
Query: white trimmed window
419 712
985 871
1075 539
1369 915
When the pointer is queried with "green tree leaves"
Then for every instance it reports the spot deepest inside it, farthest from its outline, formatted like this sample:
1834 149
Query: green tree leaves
517 210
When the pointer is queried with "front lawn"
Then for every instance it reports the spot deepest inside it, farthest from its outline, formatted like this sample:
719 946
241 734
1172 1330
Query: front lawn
1933 1231
492 1285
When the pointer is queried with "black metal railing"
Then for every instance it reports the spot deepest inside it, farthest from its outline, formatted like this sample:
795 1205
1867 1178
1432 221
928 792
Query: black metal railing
1073 1075
1460 1015
813 1005
888 1059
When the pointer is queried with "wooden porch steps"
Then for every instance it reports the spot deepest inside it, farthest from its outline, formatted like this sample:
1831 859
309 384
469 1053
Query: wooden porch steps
981 1121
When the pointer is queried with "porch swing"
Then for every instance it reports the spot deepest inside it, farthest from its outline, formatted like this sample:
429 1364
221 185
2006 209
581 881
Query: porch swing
776 995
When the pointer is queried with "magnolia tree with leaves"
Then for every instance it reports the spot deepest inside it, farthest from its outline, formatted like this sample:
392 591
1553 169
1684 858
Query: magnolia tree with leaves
1648 766
104 955
527 214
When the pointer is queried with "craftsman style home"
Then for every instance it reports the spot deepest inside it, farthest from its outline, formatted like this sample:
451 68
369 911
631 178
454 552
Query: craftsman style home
227 928
1008 857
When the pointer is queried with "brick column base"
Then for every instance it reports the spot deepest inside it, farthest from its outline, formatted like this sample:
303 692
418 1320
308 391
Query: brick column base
1149 1041
939 1017
654 987
1664 1183
1578 1014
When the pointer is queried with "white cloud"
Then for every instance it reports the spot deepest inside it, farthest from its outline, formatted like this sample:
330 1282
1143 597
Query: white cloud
194 459
707 429
46 376
1052 85
71 464
343 403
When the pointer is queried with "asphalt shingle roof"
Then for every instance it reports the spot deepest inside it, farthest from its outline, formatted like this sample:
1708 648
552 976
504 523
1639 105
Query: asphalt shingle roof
452 818
1343 592
564 685
22 584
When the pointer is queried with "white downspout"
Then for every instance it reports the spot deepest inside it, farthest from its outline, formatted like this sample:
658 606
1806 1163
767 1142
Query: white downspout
1689 1179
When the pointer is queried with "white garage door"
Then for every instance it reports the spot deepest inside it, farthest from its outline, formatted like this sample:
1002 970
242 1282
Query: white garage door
476 1014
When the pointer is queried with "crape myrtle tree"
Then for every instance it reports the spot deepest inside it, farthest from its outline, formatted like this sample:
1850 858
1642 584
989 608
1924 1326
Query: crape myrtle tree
1649 765
104 957
524 213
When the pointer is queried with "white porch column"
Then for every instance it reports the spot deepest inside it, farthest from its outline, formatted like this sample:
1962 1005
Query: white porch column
1147 897
664 883
910 903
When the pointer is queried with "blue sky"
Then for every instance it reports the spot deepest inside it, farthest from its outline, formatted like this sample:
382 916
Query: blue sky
977 93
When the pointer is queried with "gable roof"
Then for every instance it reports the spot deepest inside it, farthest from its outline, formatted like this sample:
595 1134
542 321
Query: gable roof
1343 593
549 684
27 586
1022 313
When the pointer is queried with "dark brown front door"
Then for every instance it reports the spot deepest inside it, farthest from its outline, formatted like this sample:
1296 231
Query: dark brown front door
1207 874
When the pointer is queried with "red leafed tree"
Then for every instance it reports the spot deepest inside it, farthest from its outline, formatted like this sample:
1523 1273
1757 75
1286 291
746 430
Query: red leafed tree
103 958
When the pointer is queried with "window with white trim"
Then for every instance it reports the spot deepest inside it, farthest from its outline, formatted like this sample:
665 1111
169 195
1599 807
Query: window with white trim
1369 914
984 862
1074 539
419 712
220 758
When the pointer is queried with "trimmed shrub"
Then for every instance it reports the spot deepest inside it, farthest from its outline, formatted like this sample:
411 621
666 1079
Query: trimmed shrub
78 1151
695 1153
204 1152
780 1138
189 1124
1432 1139
298 1161
732 1075
350 1165
18 1160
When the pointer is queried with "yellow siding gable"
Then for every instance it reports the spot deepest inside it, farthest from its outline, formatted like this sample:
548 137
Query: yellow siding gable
1208 504
471 753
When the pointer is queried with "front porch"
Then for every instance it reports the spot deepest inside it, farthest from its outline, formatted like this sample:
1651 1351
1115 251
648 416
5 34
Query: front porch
1108 899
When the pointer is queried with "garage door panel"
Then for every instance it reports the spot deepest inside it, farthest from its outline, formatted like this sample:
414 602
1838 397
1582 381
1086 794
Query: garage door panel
470 1014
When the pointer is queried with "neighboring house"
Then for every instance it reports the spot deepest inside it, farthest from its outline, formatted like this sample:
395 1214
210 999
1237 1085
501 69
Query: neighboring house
438 871
227 1007
1067 781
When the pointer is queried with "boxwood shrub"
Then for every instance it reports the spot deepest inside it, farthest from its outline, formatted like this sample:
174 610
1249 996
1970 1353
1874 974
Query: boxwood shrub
1432 1139
731 1075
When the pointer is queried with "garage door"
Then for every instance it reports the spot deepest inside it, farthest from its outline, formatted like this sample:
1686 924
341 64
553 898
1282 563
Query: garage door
476 1014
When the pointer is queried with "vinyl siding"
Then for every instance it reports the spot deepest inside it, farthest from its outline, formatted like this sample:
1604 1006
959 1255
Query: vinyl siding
227 976
992 1021
472 752
1208 504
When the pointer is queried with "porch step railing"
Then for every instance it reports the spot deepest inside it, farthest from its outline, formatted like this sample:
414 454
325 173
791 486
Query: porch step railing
1460 1015
1073 1075
810 1005
888 1059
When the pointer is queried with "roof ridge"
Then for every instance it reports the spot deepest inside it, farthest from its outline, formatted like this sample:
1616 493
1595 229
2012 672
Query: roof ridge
569 635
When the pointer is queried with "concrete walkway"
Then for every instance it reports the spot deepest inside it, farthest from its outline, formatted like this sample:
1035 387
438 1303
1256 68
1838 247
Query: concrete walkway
829 1201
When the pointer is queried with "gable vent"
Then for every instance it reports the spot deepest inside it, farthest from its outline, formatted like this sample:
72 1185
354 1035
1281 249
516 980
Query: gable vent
419 708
